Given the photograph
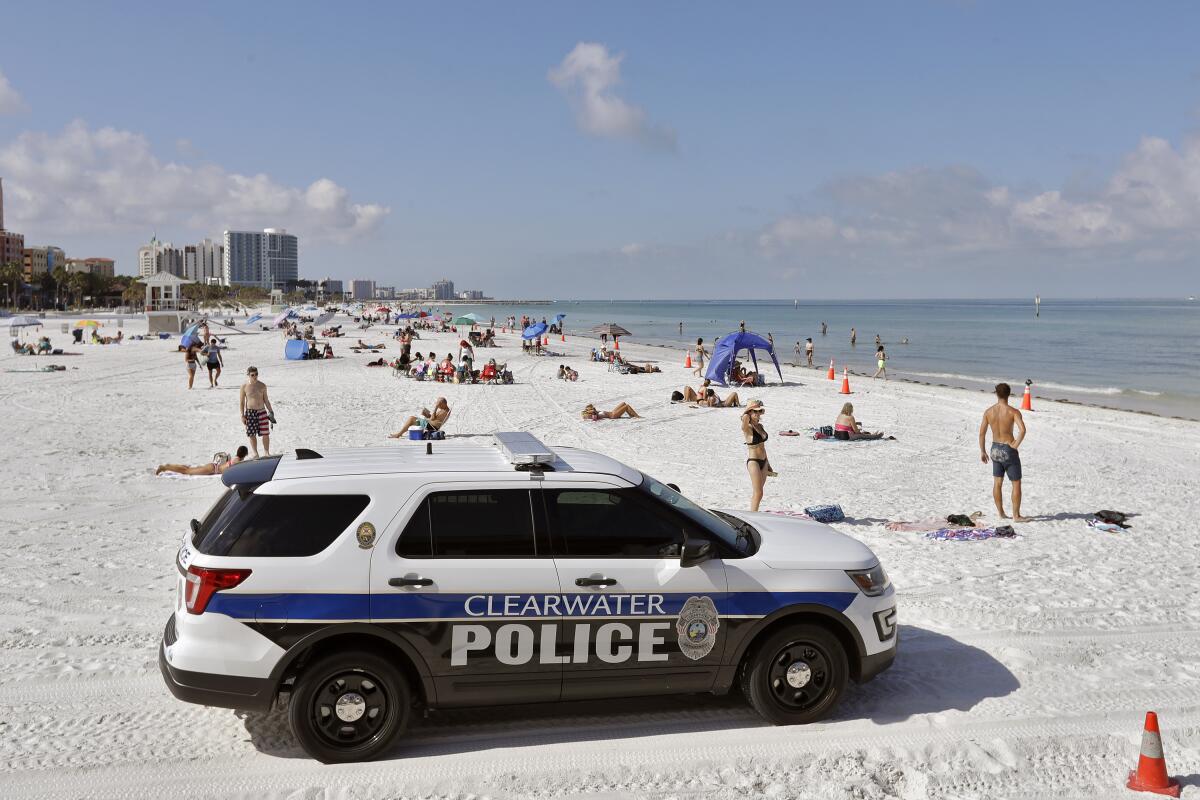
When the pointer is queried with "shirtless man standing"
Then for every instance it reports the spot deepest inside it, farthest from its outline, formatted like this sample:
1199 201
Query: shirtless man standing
256 411
1006 459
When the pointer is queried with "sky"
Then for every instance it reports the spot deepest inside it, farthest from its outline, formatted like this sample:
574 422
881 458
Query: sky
624 150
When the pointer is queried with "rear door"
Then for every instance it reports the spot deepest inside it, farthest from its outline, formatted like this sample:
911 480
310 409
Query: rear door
463 576
634 620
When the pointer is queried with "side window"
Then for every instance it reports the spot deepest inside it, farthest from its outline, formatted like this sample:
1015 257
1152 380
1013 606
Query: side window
277 525
486 523
611 524
416 540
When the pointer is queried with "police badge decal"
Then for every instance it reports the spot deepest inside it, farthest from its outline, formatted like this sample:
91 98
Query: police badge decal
697 626
366 535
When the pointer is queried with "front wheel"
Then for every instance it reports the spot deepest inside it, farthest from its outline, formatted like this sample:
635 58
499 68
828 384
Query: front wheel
349 707
796 675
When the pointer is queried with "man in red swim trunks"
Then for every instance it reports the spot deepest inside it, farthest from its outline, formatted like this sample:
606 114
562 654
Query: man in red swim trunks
256 411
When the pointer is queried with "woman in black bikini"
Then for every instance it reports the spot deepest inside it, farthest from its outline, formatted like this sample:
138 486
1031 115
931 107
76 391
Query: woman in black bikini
757 463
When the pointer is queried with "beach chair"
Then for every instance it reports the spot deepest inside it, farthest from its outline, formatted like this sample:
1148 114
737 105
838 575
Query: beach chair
619 367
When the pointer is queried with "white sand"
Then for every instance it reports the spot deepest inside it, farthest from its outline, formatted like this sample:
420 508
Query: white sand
1025 665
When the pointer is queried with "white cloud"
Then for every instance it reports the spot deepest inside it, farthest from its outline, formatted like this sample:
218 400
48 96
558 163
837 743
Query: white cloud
10 99
1151 200
85 180
588 76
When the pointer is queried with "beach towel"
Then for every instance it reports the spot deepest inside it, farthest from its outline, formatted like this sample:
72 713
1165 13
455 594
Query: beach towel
971 534
786 513
826 513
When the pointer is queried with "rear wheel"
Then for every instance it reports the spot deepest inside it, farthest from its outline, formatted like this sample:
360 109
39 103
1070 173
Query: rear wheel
349 706
796 675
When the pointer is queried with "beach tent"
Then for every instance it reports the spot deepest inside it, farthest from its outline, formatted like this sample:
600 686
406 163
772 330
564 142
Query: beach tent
727 349
534 331
295 350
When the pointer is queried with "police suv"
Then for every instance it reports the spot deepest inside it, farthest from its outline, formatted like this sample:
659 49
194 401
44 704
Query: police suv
367 583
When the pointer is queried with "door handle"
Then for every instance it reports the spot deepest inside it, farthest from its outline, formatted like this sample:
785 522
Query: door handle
595 581
418 581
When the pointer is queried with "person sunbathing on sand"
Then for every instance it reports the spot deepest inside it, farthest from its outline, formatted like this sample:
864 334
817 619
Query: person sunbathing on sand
712 400
220 463
590 413
427 421
847 428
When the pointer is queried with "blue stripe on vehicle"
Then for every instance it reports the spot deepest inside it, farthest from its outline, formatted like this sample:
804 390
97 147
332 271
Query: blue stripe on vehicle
302 607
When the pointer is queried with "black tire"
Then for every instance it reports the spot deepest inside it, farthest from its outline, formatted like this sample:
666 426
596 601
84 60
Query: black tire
368 685
821 664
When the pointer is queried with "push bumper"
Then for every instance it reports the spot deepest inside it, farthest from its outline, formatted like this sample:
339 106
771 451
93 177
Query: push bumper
207 689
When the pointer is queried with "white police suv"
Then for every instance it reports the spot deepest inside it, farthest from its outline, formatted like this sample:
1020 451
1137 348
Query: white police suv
367 583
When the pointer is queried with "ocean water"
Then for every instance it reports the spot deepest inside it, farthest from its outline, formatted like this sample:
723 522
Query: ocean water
1134 354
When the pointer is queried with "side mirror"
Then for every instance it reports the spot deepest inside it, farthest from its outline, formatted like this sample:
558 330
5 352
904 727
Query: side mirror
695 552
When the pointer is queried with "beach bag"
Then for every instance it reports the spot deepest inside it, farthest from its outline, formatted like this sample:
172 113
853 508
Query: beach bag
1115 517
676 397
961 519
827 430
827 513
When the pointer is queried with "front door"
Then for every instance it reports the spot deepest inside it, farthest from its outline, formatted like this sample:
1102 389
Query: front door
463 578
634 620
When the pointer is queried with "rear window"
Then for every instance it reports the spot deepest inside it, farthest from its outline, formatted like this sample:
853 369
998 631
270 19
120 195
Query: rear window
276 525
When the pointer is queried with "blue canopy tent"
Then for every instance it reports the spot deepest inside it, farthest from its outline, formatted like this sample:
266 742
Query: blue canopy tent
534 331
727 349
295 350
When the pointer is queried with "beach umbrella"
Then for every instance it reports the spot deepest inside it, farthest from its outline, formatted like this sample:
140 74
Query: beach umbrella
467 319
21 321
87 323
611 328
558 318
534 331
321 320
281 317
253 319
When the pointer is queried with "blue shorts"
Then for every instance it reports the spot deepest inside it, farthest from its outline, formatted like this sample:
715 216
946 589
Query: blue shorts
1005 461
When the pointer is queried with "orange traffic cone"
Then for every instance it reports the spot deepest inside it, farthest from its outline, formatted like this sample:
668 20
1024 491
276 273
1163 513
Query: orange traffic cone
562 337
546 342
1027 400
1151 773
845 381
687 362
616 344
831 376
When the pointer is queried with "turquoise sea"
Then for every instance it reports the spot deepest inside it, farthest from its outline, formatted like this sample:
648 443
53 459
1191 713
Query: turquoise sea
1134 354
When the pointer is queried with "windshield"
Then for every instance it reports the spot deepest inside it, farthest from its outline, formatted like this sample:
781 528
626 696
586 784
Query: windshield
737 538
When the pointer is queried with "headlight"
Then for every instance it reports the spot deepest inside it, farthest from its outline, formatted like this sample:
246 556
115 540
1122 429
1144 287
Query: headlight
873 582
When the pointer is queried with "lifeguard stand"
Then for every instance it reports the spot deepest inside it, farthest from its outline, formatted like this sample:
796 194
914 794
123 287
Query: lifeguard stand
166 307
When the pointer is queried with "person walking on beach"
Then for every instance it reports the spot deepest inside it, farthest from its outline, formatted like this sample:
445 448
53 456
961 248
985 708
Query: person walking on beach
881 362
700 354
797 351
192 361
808 350
853 336
755 437
681 329
824 328
1005 450
256 411
214 361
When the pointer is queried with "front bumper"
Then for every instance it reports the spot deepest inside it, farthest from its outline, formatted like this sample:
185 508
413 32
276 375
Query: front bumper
872 665
208 689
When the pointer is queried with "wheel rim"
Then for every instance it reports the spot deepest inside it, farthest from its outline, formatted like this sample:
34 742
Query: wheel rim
801 676
350 709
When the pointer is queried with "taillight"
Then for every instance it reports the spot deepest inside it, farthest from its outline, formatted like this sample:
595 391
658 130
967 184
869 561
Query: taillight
203 583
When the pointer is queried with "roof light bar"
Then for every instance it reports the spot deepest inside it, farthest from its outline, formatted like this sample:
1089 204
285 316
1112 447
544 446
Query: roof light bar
524 449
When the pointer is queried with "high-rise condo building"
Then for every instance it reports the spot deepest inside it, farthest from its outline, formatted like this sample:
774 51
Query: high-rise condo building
159 257
204 262
269 259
